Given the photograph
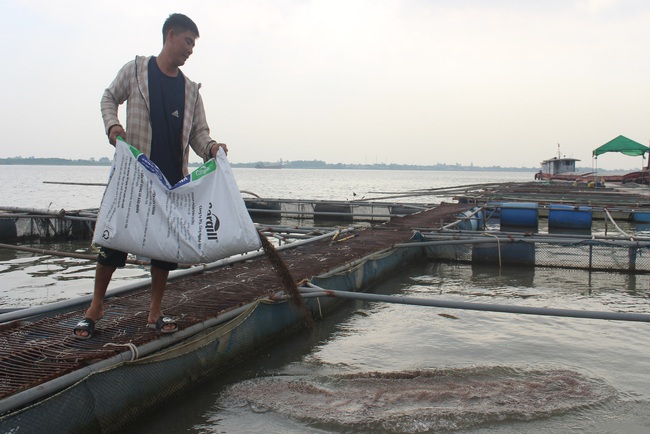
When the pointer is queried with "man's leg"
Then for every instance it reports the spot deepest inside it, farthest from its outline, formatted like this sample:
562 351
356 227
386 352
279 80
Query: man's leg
103 274
158 284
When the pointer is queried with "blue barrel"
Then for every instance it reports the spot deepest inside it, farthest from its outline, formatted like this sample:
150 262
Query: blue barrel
519 215
569 217
517 253
640 216
471 222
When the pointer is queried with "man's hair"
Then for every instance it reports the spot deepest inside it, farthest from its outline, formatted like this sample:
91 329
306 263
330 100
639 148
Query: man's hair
180 23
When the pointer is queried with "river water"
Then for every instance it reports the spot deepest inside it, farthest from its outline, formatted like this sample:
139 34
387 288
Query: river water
375 367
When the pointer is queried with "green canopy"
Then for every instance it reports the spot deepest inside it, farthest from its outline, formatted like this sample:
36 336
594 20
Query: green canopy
624 146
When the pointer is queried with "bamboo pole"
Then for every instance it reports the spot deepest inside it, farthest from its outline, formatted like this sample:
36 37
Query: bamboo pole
433 191
17 209
97 184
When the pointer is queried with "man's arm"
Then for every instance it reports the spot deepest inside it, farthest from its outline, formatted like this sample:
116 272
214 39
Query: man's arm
113 97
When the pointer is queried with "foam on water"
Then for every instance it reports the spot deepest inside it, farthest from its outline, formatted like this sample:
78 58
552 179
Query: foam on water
419 401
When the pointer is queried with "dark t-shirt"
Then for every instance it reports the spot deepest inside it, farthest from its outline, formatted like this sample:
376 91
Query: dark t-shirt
167 104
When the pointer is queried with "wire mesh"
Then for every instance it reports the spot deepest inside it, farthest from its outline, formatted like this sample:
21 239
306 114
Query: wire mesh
589 254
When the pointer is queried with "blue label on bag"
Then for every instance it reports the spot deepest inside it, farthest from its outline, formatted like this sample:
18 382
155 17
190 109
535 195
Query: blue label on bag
151 167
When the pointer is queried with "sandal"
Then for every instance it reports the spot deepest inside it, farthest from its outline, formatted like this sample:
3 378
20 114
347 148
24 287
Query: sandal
85 325
163 321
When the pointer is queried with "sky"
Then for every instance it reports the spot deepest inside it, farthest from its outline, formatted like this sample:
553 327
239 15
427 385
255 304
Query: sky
486 83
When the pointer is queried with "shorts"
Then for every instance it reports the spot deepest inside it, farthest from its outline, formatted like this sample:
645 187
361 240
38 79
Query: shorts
115 258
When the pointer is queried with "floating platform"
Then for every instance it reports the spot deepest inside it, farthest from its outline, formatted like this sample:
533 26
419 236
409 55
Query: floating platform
331 210
227 310
38 224
230 309
620 202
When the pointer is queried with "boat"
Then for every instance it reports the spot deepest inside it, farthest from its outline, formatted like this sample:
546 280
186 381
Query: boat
227 311
638 177
560 168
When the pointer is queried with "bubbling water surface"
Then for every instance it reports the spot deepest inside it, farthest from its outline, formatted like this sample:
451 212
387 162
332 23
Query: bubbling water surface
419 400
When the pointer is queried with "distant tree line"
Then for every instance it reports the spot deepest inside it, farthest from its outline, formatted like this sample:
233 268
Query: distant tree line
33 161
319 164
298 164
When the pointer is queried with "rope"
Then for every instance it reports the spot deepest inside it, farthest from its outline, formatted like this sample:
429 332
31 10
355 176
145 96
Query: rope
130 345
498 246
616 226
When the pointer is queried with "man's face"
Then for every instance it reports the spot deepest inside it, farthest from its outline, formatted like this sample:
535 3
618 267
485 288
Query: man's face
181 45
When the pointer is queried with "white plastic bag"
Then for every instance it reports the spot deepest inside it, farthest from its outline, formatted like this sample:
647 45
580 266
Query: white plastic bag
202 218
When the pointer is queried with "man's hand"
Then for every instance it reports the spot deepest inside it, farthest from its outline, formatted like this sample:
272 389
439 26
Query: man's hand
215 148
116 130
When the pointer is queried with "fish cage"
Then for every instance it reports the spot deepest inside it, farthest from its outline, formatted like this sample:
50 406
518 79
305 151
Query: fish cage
46 228
597 253
26 224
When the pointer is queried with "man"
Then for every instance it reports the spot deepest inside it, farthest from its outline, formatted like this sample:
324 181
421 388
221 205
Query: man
164 117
